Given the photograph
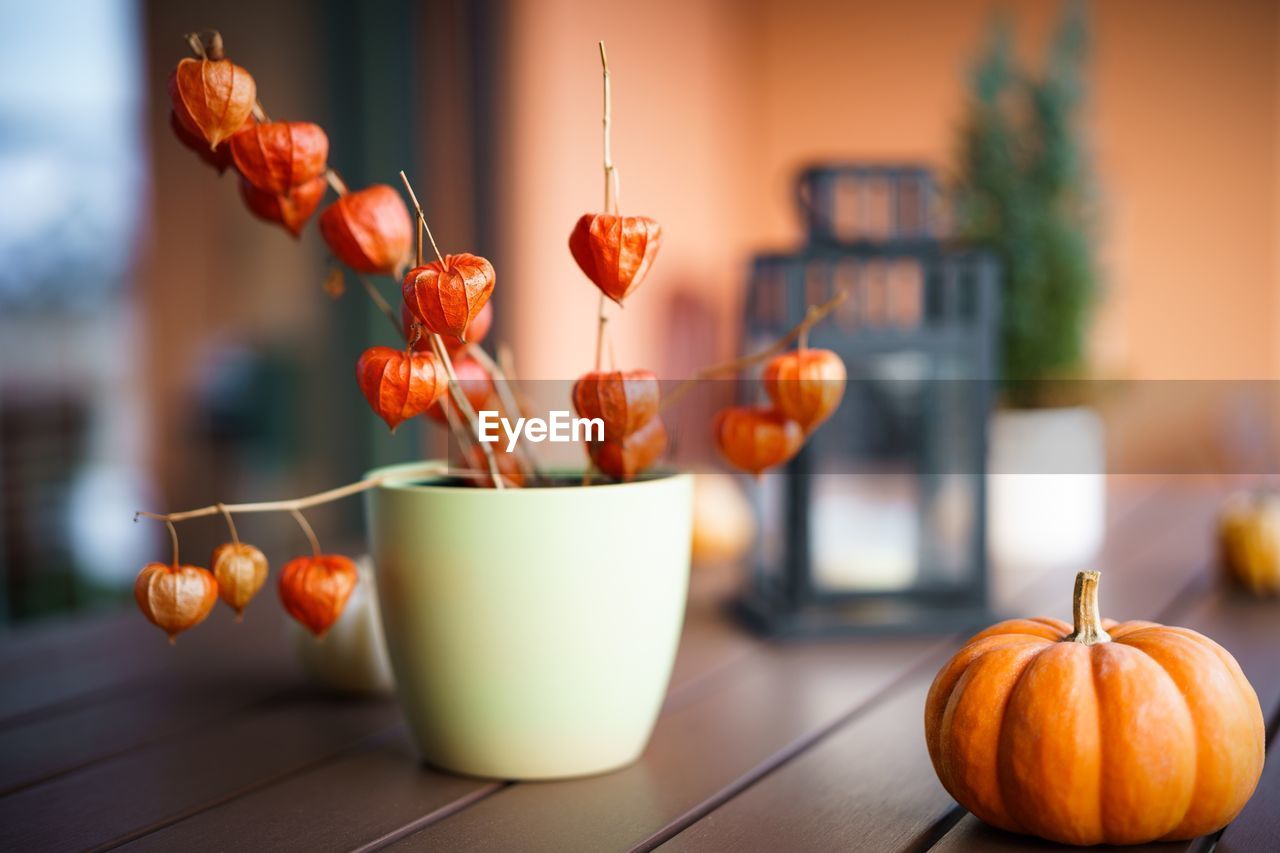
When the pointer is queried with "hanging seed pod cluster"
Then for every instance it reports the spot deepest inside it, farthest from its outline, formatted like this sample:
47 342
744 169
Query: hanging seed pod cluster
438 368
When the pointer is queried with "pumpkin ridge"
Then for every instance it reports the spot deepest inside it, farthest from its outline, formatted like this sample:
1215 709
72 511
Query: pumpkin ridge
1173 638
1102 746
1001 818
1004 716
1195 728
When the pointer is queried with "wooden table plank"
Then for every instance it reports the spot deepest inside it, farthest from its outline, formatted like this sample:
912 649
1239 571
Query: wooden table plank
707 754
126 653
199 684
126 796
356 800
723 739
871 784
368 778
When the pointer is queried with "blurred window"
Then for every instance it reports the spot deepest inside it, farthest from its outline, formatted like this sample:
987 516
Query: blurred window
73 178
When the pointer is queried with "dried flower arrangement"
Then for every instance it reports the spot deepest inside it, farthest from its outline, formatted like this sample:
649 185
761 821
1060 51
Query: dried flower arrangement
441 371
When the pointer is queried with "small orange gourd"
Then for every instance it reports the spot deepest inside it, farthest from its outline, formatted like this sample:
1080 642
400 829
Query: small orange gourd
1097 733
1249 542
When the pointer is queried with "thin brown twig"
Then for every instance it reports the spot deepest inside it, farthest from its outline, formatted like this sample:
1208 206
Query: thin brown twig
306 528
382 304
814 316
469 414
422 220
437 343
173 537
318 498
231 525
502 384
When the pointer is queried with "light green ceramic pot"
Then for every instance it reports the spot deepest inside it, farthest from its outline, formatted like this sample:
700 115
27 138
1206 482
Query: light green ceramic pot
531 631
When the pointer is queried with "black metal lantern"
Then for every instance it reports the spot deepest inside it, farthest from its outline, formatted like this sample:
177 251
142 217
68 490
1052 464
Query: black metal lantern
879 523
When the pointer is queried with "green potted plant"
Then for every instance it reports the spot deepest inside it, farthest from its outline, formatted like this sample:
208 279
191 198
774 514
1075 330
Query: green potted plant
531 616
1024 188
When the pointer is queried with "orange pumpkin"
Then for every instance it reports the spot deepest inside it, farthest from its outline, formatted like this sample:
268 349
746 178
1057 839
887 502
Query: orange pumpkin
1097 733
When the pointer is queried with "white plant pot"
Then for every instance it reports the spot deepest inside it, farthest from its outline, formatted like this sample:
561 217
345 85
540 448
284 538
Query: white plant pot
1046 495
532 631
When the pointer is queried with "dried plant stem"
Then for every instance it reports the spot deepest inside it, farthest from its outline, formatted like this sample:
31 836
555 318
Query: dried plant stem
328 496
231 525
610 189
422 221
173 538
382 304
306 528
502 384
455 390
814 316
469 414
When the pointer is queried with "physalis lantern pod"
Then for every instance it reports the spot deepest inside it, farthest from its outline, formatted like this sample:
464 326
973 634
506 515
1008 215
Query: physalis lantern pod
369 230
624 458
753 438
805 385
615 252
279 156
446 297
400 386
474 382
240 570
212 98
624 400
477 329
175 598
219 158
291 210
314 590
508 466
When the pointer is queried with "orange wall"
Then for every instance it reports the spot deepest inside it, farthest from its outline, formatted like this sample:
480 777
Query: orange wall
717 102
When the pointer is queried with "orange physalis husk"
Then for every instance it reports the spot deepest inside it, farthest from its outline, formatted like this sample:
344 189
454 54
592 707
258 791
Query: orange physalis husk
623 459
805 385
753 438
175 598
508 466
400 386
447 297
290 211
315 589
477 329
240 570
369 230
212 98
615 251
278 156
474 382
219 158
624 400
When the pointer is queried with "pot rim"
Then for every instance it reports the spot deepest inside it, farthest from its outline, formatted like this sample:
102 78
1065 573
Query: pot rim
413 483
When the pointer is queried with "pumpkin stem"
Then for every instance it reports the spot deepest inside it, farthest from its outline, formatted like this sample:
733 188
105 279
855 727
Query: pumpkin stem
1088 624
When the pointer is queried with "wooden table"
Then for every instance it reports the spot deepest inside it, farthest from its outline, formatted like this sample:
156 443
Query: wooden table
109 737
